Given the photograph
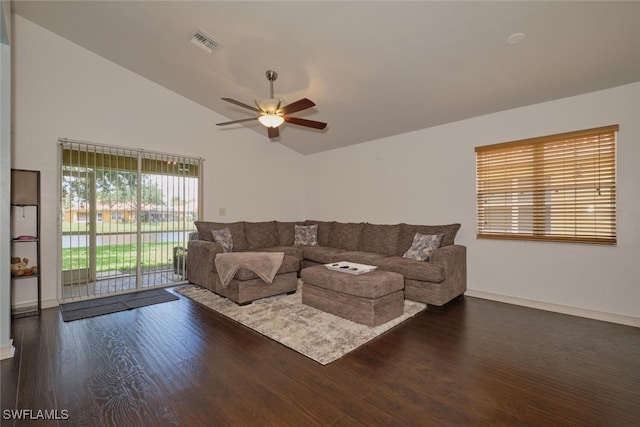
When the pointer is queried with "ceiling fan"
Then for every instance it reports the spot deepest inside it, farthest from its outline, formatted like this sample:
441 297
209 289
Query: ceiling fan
272 114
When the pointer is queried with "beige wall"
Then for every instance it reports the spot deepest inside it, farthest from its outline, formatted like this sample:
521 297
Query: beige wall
428 177
63 90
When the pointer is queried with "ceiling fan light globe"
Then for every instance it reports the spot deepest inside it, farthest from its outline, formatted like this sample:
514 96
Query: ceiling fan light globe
271 120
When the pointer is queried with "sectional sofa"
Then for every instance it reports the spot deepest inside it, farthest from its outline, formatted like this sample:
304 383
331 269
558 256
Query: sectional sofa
436 281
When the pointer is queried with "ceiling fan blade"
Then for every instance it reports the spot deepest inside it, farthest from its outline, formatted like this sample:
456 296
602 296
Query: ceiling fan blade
236 121
305 122
241 104
299 105
273 132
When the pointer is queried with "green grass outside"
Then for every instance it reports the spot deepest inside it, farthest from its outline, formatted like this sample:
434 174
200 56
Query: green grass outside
120 257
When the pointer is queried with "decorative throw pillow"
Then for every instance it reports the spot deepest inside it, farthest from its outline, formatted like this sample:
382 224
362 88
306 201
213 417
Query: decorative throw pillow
306 235
423 245
223 238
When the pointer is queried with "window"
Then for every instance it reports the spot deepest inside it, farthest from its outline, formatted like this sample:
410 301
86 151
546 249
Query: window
554 188
126 215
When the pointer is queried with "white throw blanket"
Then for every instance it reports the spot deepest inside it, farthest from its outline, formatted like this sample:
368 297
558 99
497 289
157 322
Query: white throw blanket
264 264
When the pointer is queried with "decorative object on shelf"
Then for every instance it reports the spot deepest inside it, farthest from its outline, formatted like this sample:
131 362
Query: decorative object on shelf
23 238
20 267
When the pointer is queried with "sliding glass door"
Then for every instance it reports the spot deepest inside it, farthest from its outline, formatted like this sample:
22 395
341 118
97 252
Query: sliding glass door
126 218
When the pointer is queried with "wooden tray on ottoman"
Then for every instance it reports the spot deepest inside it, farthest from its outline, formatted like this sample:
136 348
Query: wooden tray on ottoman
371 299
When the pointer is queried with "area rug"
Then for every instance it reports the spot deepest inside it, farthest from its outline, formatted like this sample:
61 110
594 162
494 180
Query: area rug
320 336
99 306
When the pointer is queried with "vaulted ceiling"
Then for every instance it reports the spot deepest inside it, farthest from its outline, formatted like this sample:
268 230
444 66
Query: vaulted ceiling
374 69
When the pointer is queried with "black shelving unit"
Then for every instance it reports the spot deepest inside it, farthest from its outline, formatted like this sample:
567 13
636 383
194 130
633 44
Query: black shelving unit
25 232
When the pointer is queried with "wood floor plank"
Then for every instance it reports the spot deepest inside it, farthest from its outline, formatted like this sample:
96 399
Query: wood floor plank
36 387
476 362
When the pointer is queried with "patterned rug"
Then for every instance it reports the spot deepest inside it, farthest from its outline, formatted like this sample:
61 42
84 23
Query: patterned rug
320 336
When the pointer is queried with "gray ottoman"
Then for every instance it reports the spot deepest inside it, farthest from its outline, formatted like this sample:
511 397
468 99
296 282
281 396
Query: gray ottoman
371 298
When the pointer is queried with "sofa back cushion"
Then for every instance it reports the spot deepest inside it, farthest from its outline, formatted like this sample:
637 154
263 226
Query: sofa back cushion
408 232
204 229
381 239
346 235
286 232
261 234
236 228
324 231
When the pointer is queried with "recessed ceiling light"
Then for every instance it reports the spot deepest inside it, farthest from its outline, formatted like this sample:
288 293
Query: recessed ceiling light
515 38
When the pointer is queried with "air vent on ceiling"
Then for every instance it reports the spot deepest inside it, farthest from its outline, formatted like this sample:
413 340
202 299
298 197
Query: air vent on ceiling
204 41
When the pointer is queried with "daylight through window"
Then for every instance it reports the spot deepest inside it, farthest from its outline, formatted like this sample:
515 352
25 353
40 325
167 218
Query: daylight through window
126 218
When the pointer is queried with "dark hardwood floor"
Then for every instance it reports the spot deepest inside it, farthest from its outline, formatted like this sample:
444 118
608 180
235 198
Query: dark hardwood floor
476 363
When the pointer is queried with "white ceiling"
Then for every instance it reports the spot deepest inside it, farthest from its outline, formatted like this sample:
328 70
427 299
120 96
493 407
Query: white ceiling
374 69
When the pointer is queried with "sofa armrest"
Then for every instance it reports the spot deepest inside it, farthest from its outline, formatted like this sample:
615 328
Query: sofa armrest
450 257
454 260
201 257
446 252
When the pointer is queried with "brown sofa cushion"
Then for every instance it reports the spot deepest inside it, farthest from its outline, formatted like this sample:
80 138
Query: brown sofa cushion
381 239
408 232
294 251
236 228
324 231
261 234
286 232
321 254
410 269
368 258
346 235
204 229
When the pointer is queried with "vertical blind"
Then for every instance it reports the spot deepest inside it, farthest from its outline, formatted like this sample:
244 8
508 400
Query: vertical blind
126 218
557 188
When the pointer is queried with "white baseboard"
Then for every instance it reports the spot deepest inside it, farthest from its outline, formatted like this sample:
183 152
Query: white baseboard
8 351
44 304
557 308
48 303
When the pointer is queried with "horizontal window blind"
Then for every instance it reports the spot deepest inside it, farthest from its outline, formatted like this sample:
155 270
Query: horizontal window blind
557 188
